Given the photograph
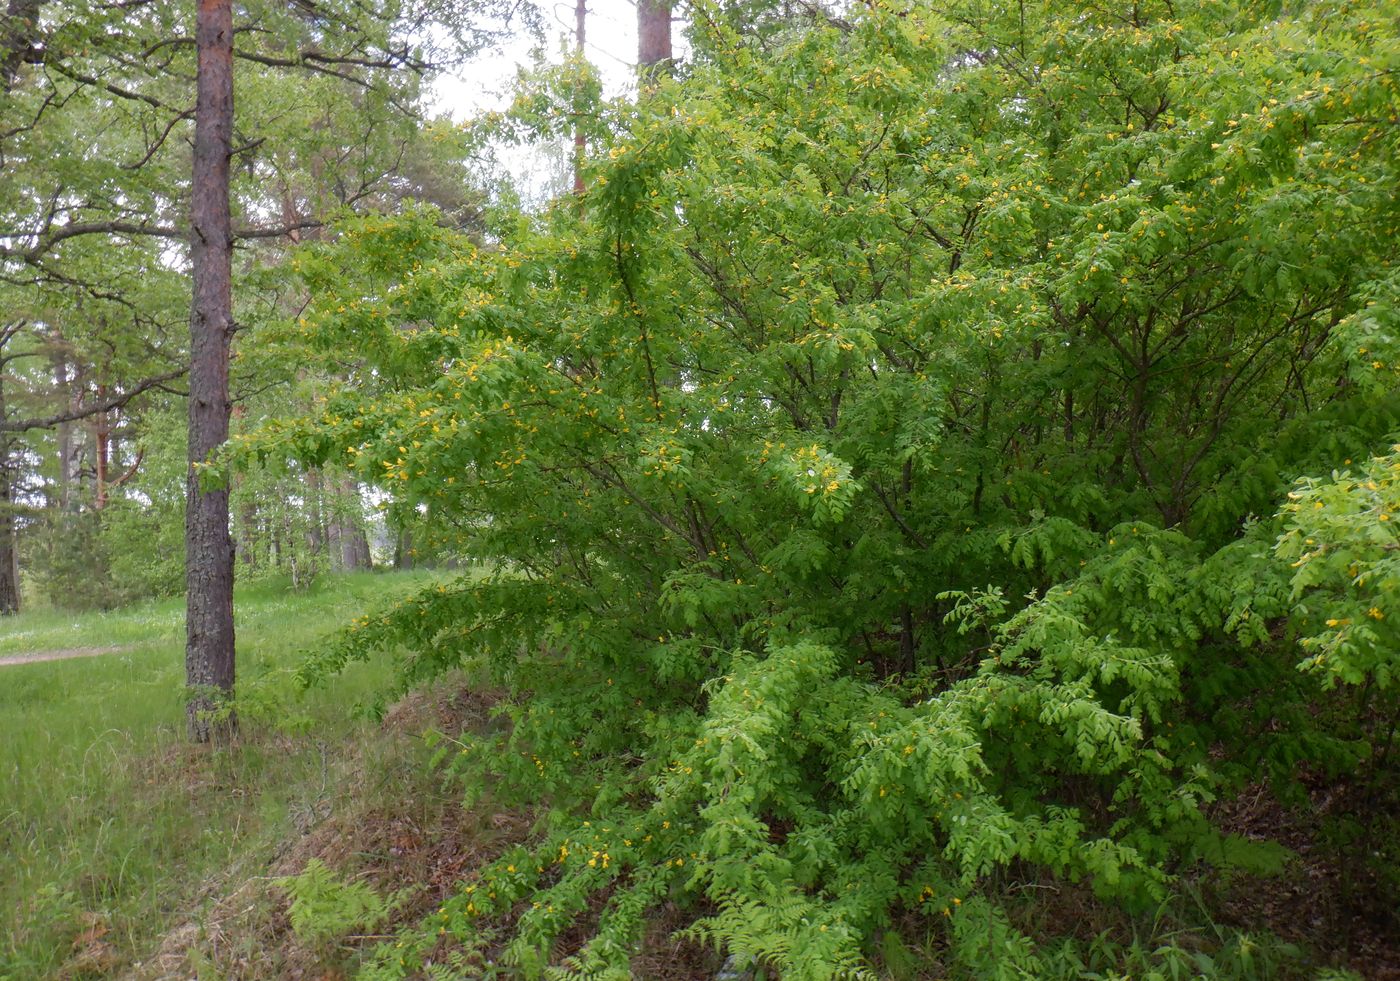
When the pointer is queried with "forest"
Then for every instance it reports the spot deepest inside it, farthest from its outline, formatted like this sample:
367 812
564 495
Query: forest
895 490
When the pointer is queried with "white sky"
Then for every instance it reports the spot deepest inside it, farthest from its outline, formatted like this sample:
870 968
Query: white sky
485 84
540 172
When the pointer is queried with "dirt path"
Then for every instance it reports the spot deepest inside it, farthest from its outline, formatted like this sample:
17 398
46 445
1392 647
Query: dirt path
63 654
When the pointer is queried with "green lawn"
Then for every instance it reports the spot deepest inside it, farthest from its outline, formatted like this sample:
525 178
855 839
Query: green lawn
111 824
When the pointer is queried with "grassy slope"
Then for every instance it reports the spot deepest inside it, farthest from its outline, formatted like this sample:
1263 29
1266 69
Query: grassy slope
109 823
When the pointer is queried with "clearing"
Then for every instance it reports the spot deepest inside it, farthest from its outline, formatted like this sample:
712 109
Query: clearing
61 654
113 830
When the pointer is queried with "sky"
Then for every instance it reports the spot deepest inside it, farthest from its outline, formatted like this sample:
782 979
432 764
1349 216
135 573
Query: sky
485 84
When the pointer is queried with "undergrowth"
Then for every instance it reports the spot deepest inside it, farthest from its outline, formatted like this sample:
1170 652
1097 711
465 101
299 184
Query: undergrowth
113 828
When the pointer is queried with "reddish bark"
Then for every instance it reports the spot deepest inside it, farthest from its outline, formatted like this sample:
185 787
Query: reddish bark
209 642
653 36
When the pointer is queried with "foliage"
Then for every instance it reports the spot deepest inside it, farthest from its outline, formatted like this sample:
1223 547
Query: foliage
1342 538
325 908
96 104
882 465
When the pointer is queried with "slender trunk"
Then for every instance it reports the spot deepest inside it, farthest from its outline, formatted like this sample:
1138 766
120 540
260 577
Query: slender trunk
363 559
245 538
247 542
102 445
274 542
349 519
245 535
333 527
580 144
403 549
209 650
653 37
9 554
65 435
316 532
9 565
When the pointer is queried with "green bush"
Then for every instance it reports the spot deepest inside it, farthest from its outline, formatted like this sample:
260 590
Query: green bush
883 468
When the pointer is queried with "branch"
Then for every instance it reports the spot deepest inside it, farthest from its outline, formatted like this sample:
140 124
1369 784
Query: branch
106 405
48 239
140 455
331 64
116 90
279 232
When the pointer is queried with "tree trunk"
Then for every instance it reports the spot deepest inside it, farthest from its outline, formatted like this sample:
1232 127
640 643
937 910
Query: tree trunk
246 528
209 650
580 144
102 445
9 554
65 435
317 531
246 543
350 530
9 565
653 37
332 525
403 549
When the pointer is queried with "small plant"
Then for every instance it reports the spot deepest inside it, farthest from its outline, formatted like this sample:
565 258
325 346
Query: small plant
325 908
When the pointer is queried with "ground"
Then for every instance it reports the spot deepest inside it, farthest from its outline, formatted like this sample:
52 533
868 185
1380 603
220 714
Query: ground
112 829
61 654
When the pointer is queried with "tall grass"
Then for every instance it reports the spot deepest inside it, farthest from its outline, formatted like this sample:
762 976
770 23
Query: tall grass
110 823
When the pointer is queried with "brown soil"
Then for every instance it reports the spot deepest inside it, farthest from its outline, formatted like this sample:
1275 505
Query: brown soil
410 836
61 654
398 829
1328 900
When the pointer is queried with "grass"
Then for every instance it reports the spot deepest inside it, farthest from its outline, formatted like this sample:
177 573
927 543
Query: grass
111 825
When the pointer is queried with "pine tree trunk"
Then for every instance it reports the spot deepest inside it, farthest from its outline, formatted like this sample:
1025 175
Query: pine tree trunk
653 37
209 650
